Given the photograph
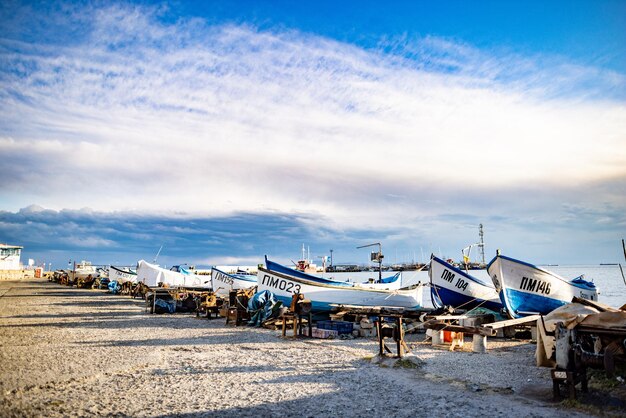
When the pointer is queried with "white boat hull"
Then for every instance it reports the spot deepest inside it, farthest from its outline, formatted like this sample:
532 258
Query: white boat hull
152 275
223 283
324 295
121 276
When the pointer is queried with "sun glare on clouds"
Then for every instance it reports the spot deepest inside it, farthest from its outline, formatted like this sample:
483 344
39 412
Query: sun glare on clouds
217 119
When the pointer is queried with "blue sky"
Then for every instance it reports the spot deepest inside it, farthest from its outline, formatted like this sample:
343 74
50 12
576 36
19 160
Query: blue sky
229 130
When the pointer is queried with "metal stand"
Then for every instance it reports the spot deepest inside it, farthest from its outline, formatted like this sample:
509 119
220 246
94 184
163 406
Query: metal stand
387 331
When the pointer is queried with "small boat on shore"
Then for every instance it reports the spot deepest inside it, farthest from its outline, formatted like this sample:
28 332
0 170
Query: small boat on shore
450 286
151 275
526 289
324 293
223 283
122 275
84 270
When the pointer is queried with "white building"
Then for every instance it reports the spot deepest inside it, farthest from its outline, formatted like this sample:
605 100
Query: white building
10 257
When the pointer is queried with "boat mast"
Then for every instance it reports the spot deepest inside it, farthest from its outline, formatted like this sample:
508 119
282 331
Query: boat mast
157 254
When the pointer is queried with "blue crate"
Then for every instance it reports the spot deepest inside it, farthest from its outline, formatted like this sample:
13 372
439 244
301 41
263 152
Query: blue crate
342 327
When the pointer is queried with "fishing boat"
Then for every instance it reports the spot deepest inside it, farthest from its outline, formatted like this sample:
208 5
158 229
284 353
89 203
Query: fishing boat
390 283
306 265
450 286
223 283
526 289
324 293
122 275
83 270
151 275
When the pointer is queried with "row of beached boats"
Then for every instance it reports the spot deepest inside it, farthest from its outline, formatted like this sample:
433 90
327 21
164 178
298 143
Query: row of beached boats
516 288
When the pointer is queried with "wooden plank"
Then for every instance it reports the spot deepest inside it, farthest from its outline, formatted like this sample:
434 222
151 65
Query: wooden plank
510 322
449 317
378 310
599 306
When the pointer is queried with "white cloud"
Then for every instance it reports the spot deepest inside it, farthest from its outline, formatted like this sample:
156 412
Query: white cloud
188 117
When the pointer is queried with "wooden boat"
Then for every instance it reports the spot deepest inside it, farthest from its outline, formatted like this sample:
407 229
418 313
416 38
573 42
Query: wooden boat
122 275
389 283
526 289
323 293
223 283
450 286
151 275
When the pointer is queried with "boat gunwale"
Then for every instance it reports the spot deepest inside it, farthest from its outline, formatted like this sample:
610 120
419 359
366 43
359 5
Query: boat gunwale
123 271
554 275
233 276
457 270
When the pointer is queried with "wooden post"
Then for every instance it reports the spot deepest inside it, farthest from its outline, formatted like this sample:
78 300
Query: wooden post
399 336
380 337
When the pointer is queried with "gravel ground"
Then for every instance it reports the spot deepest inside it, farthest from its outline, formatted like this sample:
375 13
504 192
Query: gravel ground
73 352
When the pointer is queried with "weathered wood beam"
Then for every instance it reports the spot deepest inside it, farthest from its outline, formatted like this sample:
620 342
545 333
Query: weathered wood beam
510 322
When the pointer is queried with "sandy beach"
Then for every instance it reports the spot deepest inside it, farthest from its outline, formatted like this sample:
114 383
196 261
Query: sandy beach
74 352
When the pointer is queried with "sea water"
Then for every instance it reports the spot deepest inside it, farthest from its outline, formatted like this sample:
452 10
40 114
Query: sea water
606 277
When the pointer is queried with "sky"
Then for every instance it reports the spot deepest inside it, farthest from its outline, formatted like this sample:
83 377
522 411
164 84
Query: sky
220 132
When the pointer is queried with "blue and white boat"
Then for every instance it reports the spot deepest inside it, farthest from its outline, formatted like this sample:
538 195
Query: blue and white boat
450 286
223 283
323 293
526 289
391 282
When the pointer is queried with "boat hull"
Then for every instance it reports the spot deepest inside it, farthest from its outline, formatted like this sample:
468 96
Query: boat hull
323 295
526 289
451 286
121 276
223 283
151 275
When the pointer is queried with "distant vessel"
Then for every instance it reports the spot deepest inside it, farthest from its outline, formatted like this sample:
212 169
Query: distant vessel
305 264
526 289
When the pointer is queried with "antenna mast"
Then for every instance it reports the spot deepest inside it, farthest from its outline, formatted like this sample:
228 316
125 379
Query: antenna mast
482 242
157 254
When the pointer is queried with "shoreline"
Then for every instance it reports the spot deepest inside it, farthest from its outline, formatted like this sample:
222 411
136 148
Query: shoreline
77 352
